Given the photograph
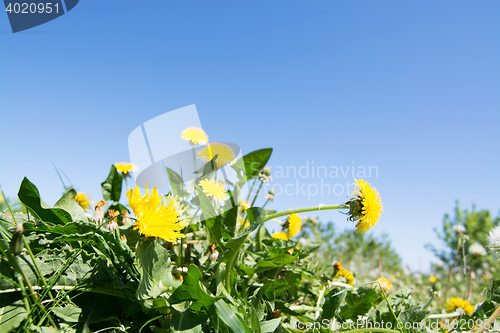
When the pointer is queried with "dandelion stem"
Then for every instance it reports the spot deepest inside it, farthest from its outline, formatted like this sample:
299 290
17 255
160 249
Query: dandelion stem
194 159
303 210
256 194
251 189
469 296
451 270
266 203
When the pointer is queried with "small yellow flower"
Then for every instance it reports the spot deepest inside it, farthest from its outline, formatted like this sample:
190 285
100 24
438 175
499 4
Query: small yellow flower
1 199
244 206
486 277
366 207
123 238
125 168
392 277
291 228
384 283
242 220
344 273
195 135
157 219
280 235
432 279
225 155
83 200
213 188
455 303
293 225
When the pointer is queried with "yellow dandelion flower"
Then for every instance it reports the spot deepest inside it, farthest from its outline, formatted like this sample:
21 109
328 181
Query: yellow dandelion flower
291 228
213 188
241 220
455 303
280 235
195 135
293 225
244 206
384 283
83 200
366 207
432 279
344 273
157 219
125 168
225 155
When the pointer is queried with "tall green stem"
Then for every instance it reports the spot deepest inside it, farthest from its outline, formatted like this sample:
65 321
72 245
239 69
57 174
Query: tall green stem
451 270
194 159
251 189
303 210
256 194
469 296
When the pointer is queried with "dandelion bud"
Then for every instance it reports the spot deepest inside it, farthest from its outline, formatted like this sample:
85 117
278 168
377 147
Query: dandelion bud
16 243
265 175
459 230
98 216
112 223
276 313
214 255
270 195
125 218
477 250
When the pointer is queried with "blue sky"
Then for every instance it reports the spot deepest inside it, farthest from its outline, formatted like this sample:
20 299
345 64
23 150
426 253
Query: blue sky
409 87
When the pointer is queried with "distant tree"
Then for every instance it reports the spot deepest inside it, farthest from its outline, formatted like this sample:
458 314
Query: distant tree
455 258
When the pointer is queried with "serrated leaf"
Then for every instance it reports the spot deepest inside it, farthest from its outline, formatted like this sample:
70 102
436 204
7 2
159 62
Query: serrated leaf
206 206
333 300
28 194
190 290
68 203
278 261
156 271
176 184
358 302
112 186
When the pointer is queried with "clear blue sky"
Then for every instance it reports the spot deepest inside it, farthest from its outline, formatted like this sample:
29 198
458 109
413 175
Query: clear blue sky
411 87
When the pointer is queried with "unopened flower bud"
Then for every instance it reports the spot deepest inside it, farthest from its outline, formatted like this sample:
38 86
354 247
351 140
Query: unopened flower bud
16 243
267 171
214 255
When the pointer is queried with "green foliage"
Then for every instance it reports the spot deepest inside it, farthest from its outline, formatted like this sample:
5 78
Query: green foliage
62 272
